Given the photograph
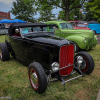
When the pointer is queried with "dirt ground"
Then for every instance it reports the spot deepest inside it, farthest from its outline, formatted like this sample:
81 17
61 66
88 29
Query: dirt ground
98 36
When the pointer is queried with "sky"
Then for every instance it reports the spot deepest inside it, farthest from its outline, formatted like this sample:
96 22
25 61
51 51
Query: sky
6 5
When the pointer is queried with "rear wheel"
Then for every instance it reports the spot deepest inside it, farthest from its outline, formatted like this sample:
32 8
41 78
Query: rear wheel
94 31
37 77
86 62
4 52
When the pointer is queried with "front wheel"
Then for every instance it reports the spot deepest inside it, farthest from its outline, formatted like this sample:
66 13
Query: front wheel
84 61
37 77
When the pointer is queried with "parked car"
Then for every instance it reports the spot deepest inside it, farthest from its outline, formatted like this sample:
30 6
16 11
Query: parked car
3 29
95 26
79 26
83 39
47 55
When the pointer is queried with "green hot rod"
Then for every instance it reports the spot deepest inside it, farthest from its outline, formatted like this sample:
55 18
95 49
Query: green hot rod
83 39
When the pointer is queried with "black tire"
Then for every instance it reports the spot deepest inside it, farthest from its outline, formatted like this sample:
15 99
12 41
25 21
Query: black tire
37 73
76 47
94 31
87 65
4 52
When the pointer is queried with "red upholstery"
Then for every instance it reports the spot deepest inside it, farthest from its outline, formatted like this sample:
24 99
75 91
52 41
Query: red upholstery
17 34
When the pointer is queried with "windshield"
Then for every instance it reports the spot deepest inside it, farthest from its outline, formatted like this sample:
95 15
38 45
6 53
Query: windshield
27 30
66 26
35 31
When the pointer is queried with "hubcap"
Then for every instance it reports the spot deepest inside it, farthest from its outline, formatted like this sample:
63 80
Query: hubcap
33 78
84 65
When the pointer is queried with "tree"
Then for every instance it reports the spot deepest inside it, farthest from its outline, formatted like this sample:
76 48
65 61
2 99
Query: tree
66 5
46 12
24 10
93 10
44 9
75 14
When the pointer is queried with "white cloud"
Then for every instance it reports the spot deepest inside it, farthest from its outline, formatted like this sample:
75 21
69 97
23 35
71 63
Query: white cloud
8 2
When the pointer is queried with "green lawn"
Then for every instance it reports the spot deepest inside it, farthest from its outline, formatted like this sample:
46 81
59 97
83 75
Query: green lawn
14 82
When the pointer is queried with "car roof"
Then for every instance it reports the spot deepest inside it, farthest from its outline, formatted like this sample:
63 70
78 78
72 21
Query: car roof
27 24
57 21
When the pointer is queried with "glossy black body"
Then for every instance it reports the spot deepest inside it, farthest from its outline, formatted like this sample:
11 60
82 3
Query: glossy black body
42 49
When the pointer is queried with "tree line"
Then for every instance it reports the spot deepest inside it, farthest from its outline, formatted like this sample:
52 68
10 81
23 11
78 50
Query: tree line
70 9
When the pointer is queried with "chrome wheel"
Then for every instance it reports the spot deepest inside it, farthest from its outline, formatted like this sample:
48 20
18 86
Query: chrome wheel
33 79
84 64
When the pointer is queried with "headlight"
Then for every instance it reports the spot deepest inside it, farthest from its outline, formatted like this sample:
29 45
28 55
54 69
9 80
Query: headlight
79 60
85 40
96 38
55 66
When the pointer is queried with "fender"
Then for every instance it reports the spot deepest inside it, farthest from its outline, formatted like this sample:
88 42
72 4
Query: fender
79 40
10 49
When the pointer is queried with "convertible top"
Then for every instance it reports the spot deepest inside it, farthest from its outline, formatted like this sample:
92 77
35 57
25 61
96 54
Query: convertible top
21 25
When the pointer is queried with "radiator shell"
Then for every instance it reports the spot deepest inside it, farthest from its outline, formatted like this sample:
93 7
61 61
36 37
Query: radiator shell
66 59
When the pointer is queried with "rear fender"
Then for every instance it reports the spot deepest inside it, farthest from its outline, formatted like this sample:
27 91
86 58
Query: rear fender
10 48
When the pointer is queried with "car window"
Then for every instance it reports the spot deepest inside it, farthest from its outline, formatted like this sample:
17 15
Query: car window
69 26
63 25
66 26
51 28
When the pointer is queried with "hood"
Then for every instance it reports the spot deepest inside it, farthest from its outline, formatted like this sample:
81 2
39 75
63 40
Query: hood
53 40
79 32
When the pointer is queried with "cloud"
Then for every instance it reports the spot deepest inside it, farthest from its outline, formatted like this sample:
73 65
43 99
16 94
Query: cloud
7 2
6 5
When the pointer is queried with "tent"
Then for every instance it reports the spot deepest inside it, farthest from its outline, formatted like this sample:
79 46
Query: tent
17 21
5 21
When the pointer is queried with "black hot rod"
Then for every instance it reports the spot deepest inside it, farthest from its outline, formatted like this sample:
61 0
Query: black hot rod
48 56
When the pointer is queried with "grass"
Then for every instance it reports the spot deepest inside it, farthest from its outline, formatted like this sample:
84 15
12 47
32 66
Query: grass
14 82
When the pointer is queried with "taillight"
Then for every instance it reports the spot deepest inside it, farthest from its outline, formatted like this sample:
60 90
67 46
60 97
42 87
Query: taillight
66 59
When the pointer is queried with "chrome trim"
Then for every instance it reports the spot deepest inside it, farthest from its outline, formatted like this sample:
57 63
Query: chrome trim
66 66
71 79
